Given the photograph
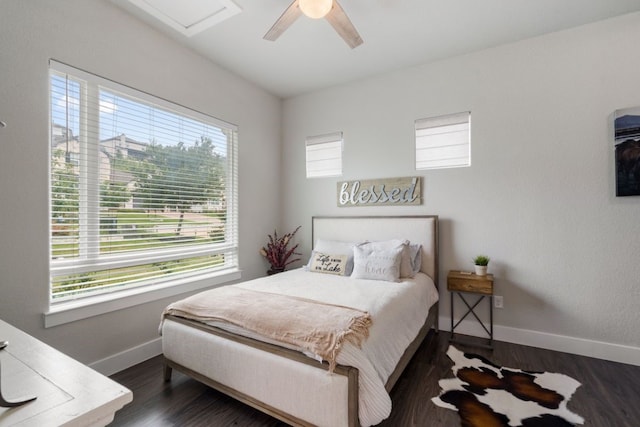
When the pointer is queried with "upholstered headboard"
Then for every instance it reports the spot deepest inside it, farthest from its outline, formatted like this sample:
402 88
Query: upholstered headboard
417 229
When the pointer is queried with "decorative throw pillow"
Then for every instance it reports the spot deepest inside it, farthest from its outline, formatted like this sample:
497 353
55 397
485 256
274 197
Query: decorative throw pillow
369 263
411 260
335 247
327 263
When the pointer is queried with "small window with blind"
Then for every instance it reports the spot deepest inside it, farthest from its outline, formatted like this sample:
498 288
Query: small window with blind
443 142
143 192
324 155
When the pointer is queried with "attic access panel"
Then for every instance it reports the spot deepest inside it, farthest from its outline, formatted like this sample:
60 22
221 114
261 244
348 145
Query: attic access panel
189 17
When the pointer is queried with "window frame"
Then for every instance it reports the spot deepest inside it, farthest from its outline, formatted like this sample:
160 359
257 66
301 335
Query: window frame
60 312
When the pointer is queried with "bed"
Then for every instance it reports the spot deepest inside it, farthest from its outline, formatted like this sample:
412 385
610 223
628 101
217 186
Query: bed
294 386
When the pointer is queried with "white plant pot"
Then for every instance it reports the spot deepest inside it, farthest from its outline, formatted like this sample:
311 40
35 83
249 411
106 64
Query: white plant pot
481 270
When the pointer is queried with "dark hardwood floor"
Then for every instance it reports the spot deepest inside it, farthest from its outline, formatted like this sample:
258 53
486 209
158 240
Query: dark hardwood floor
609 395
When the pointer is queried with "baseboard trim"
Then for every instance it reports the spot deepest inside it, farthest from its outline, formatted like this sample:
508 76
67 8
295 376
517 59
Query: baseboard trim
583 347
128 358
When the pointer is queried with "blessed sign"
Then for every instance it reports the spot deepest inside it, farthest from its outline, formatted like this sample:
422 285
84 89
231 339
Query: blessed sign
393 191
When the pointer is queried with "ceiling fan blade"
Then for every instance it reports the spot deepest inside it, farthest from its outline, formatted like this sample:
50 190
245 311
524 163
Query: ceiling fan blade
288 17
341 23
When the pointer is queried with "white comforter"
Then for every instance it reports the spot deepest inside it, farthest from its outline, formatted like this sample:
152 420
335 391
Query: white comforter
398 311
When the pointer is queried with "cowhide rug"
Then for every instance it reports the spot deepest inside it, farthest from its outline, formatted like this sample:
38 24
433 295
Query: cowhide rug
487 395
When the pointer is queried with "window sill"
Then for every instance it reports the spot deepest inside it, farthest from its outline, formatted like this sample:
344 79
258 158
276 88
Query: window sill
71 311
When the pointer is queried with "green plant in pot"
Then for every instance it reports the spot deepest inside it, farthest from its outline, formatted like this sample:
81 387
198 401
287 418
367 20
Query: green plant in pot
481 262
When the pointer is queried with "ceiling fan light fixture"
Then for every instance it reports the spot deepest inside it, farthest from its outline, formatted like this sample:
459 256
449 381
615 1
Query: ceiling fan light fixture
315 9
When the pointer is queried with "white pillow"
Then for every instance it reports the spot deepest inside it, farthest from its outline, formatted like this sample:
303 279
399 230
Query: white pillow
415 256
327 263
411 257
334 247
375 264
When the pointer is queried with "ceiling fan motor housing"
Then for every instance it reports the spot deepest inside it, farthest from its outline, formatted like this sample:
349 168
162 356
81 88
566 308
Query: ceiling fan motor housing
315 9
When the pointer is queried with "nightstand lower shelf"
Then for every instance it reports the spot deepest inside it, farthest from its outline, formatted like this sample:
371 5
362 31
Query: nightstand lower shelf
471 310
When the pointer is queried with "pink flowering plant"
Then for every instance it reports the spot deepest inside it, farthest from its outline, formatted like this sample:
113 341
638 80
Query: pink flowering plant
278 253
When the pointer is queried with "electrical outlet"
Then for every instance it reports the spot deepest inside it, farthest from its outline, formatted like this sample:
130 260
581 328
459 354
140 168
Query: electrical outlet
498 302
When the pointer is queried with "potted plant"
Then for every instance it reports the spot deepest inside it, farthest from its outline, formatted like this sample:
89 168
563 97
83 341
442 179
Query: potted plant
481 262
277 251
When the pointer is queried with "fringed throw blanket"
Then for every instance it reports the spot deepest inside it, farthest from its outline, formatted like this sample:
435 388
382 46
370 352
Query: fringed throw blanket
313 326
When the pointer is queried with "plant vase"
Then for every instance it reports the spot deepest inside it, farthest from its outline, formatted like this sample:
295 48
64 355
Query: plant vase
481 270
274 270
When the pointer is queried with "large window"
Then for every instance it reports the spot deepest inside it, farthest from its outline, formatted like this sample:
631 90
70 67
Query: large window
143 191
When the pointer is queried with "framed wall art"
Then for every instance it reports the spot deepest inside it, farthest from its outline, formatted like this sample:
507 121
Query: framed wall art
627 151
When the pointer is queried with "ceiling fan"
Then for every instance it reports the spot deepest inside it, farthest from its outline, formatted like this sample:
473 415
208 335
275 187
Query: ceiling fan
328 9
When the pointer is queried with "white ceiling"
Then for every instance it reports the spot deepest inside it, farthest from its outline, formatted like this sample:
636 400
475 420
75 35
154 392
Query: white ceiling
397 34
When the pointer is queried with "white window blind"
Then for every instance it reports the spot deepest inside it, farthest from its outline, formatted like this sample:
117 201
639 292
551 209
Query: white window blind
443 142
324 155
143 191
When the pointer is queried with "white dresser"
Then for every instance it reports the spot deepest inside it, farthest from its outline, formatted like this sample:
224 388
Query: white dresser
68 392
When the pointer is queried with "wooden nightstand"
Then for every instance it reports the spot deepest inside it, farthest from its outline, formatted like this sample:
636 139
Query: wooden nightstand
462 282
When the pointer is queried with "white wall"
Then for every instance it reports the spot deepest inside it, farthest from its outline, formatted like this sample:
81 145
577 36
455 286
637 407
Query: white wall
96 36
539 197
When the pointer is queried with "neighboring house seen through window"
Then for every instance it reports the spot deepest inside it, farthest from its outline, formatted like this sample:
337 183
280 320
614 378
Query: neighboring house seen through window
143 192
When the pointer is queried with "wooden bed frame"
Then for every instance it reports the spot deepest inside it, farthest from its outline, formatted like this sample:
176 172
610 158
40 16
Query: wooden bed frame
349 229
